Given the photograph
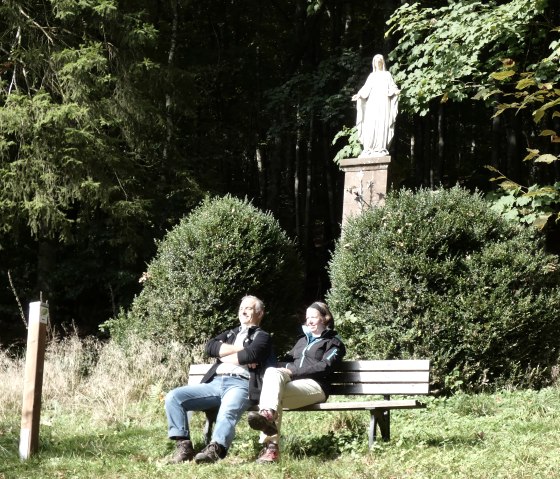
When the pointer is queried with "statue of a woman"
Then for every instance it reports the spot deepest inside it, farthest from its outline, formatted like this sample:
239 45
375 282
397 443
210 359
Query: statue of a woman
377 107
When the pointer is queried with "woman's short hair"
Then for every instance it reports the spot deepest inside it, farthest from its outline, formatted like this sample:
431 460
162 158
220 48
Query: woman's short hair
325 312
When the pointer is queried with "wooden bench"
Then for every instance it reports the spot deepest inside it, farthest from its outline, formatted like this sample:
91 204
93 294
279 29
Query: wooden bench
386 378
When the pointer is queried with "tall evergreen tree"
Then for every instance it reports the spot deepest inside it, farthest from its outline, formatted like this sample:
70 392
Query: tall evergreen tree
81 128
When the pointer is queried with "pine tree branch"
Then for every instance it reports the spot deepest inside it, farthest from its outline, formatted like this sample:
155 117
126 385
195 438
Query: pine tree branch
17 299
37 25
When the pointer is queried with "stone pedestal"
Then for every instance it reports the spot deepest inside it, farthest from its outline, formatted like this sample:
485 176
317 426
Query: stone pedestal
365 183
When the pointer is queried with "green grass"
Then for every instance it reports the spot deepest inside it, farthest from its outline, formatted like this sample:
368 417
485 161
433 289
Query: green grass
501 435
103 417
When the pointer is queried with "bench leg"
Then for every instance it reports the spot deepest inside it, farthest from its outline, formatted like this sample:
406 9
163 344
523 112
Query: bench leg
380 418
209 424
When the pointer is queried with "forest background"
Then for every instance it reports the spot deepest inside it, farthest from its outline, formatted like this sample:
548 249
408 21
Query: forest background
118 118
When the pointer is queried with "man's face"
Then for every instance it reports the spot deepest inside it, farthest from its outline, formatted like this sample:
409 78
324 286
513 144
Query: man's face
248 315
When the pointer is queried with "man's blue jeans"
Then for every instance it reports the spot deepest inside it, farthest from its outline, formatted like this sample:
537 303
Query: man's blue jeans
228 394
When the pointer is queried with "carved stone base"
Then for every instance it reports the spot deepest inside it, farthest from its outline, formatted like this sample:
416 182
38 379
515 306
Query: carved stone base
365 184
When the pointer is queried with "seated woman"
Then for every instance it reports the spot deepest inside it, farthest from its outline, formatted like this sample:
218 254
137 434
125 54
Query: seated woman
302 378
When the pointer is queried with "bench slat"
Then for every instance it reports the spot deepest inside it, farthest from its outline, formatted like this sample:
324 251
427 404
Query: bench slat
199 369
381 389
363 405
371 377
363 389
362 377
368 365
381 377
386 365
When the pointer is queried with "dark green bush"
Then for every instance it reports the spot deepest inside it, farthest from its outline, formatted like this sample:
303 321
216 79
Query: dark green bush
438 275
224 249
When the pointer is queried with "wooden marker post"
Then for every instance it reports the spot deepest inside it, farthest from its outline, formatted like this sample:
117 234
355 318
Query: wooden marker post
33 381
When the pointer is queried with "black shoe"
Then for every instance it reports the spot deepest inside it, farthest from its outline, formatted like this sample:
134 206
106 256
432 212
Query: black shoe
183 452
263 421
211 453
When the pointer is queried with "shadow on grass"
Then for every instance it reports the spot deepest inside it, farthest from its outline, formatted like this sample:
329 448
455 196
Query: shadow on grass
82 454
455 440
117 442
327 447
120 442
330 447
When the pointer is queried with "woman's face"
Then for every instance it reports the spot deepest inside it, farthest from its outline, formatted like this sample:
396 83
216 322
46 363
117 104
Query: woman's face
314 321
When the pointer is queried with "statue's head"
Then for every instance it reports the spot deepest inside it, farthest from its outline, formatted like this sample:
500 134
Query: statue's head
378 63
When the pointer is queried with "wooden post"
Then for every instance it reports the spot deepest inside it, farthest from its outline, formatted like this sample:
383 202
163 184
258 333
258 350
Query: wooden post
33 381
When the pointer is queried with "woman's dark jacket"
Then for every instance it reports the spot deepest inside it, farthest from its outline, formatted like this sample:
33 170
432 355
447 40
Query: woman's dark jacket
315 357
258 350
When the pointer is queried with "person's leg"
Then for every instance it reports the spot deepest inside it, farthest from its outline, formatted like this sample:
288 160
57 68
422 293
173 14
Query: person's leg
180 400
234 402
274 381
177 404
291 394
302 392
298 393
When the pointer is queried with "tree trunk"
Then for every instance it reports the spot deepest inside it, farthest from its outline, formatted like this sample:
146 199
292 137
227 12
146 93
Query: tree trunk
168 97
274 159
419 152
496 153
297 163
308 185
438 177
262 175
330 185
512 148
46 262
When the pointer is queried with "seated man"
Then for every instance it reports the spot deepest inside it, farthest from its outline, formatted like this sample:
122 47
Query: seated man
229 386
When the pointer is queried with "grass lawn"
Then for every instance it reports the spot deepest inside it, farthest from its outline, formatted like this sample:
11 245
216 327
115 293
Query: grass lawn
509 434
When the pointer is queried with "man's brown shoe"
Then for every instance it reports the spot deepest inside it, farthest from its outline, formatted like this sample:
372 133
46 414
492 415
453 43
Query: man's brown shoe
184 452
211 453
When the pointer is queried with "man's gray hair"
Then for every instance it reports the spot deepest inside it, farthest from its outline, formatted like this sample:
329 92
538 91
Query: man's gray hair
259 305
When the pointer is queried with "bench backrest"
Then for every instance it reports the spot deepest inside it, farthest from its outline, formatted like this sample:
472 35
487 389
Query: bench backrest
383 377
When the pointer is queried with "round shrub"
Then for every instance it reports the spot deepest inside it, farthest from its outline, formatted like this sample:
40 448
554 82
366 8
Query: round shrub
224 249
438 275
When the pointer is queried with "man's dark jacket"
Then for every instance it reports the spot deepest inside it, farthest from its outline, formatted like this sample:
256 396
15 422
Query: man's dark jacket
258 350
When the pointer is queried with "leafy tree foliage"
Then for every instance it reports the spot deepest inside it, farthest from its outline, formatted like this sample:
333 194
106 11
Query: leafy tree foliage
537 91
439 275
222 250
506 55
448 53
